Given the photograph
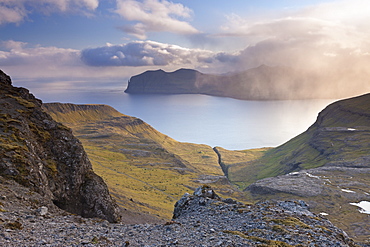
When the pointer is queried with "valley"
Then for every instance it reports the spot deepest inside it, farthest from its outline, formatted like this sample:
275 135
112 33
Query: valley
147 171
124 161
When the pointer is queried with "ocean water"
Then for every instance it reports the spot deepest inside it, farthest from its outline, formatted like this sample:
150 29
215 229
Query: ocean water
215 121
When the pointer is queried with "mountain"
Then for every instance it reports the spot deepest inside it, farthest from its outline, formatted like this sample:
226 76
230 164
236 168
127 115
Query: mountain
260 83
146 171
43 156
327 166
44 170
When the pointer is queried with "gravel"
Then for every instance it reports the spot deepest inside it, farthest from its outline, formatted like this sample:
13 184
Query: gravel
202 219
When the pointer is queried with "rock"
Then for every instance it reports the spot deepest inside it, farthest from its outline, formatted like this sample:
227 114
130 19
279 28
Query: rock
284 223
43 155
298 183
206 191
42 211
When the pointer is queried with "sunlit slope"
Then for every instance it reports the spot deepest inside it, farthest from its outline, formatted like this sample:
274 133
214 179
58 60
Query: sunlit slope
145 170
341 132
328 166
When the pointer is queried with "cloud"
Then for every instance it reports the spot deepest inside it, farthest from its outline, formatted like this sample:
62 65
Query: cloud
318 37
154 16
21 60
13 14
12 11
144 53
17 53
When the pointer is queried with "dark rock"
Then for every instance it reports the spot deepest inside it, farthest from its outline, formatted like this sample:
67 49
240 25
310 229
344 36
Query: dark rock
44 156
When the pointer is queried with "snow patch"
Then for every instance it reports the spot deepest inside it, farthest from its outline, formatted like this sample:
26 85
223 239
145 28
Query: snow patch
364 205
348 191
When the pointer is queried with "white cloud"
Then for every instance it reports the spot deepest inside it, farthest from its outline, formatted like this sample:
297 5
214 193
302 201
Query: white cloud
11 14
144 53
17 53
154 16
16 11
24 61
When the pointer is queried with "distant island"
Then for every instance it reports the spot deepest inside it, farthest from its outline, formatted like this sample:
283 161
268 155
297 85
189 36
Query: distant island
260 83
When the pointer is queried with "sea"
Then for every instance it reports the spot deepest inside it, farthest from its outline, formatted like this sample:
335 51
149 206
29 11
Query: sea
215 121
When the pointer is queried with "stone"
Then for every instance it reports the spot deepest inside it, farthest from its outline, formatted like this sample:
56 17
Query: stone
42 211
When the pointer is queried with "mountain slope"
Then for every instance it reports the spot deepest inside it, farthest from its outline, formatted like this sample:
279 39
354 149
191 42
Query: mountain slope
44 156
145 170
328 166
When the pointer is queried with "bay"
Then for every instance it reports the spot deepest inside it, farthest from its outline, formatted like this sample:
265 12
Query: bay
215 121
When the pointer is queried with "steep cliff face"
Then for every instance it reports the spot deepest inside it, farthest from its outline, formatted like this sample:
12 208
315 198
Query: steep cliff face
44 156
161 82
260 83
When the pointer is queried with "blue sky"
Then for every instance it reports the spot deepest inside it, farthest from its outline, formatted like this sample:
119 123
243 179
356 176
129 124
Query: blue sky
53 44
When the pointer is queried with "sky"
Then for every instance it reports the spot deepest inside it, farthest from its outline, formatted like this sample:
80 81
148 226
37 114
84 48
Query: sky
96 44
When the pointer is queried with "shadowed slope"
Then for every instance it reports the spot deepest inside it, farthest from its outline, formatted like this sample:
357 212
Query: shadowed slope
44 156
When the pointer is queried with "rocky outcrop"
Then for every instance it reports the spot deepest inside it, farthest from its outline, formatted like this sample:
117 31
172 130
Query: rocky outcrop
204 220
282 223
43 155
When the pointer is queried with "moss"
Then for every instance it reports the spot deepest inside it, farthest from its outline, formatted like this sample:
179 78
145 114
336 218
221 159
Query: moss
52 166
23 102
44 135
290 221
324 229
279 228
265 242
16 225
8 147
96 240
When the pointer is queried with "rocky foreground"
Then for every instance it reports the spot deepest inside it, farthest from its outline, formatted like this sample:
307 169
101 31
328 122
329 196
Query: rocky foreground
201 219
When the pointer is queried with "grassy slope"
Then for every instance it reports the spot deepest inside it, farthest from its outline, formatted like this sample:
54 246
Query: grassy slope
328 140
340 136
145 170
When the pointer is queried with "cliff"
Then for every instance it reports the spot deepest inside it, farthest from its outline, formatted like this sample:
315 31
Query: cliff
45 157
260 83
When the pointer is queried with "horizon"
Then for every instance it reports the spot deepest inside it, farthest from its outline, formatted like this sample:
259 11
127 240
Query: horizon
95 45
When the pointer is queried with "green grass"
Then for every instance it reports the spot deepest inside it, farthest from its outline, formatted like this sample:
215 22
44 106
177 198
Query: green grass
145 170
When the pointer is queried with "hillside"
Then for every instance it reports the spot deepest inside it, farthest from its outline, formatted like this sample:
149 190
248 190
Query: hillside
260 83
145 170
43 156
327 165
